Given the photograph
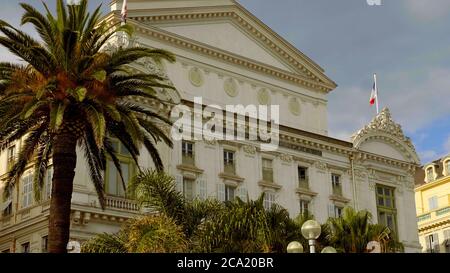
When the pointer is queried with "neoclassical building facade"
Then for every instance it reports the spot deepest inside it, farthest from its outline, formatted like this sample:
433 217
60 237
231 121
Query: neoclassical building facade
227 56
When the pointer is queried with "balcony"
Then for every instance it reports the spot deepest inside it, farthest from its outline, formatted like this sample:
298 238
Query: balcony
424 217
303 183
188 159
10 163
229 169
121 203
267 175
337 190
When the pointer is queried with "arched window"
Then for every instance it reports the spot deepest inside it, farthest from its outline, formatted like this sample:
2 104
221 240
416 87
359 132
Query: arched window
447 167
430 174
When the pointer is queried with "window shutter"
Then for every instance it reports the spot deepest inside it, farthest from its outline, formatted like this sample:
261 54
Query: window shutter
221 192
201 189
243 194
179 183
266 200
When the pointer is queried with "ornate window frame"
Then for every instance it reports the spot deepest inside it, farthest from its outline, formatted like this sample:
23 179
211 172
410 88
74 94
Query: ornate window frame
427 178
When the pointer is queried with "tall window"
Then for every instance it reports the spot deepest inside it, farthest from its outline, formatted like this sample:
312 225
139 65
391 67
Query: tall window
11 156
304 207
338 211
433 203
7 206
269 200
27 191
432 242
188 189
430 174
114 182
230 193
267 169
25 247
387 212
44 244
447 166
229 162
336 184
187 151
447 240
48 184
303 177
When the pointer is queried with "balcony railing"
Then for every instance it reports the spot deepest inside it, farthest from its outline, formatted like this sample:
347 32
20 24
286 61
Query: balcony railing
303 183
268 175
10 162
337 190
121 203
424 217
188 160
443 211
230 169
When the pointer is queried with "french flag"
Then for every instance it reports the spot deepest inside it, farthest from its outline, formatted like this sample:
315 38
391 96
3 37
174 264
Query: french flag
374 95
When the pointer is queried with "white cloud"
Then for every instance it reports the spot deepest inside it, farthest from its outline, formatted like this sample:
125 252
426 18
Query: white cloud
425 10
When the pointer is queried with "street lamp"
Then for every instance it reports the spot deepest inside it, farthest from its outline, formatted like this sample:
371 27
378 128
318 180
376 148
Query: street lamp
311 231
295 247
329 249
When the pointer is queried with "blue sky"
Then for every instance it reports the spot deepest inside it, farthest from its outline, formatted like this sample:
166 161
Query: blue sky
406 42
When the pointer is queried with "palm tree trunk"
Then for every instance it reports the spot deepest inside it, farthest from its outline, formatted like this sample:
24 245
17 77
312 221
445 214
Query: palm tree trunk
64 163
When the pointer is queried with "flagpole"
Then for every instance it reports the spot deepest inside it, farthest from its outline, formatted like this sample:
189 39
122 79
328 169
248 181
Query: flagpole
376 90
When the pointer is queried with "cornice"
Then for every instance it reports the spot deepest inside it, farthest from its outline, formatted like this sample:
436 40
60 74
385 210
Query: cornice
249 23
228 57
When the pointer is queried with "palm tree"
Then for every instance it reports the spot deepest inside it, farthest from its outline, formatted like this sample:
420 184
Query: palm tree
147 234
69 92
156 191
353 231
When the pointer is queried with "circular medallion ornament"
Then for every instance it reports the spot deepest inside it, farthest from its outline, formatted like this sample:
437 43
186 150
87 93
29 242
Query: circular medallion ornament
196 77
231 88
264 96
294 106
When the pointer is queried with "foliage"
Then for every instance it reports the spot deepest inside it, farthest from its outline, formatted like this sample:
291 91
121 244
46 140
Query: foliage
353 231
148 234
156 191
66 85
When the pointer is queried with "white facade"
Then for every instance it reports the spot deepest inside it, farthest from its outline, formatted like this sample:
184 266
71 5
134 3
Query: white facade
227 56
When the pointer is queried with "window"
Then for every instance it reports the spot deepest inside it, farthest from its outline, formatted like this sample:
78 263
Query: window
267 170
48 184
432 242
27 191
304 207
25 247
188 189
44 244
11 156
269 200
433 203
114 184
447 167
338 211
303 177
447 240
7 205
229 162
430 174
187 151
229 193
336 184
387 212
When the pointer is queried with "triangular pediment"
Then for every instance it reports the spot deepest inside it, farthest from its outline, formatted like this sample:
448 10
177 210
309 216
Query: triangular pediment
229 37
227 26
